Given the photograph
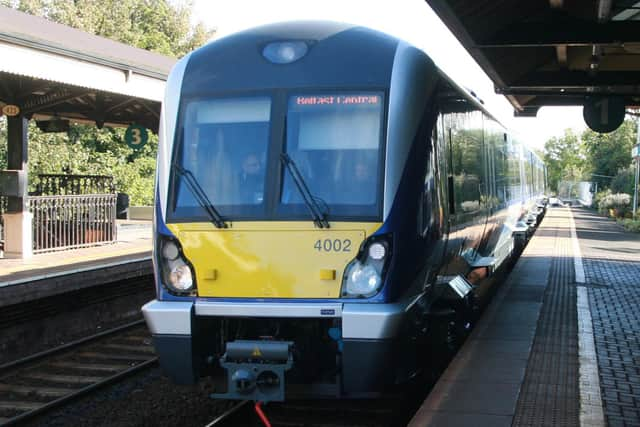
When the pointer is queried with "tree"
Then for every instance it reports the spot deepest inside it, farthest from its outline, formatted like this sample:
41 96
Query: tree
161 26
623 181
608 153
157 25
565 159
87 151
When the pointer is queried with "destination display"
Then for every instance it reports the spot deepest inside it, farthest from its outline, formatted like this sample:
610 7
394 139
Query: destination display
317 100
332 121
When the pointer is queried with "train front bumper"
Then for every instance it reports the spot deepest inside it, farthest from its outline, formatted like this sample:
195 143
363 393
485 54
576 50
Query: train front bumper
369 335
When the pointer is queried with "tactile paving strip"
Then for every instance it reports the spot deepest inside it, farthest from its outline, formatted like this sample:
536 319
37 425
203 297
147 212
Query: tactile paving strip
550 393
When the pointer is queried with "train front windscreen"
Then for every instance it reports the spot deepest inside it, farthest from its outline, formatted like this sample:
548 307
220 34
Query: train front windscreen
333 140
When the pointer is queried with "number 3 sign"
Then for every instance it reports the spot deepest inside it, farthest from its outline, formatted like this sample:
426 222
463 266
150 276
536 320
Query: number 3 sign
136 136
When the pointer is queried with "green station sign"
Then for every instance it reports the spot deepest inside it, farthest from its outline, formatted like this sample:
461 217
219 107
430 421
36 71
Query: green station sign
136 136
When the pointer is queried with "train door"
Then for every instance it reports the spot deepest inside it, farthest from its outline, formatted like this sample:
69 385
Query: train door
467 183
432 209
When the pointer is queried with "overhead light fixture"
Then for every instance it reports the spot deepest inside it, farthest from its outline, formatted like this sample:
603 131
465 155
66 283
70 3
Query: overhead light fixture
53 125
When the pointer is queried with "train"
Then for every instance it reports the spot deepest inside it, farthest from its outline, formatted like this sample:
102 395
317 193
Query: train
327 201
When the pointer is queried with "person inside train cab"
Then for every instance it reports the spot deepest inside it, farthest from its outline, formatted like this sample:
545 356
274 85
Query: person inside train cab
251 180
362 181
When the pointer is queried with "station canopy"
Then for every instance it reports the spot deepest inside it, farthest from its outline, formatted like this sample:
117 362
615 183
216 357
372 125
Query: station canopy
551 52
50 70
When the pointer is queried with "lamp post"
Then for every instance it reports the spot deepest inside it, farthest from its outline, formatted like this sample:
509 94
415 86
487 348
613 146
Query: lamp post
635 153
635 184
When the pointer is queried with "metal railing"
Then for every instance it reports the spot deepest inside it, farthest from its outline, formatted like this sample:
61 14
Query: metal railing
74 221
59 184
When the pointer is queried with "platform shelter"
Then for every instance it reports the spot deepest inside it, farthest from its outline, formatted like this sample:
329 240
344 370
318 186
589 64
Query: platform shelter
554 52
58 75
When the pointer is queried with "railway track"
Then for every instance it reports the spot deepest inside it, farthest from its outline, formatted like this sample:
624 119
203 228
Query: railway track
317 413
38 383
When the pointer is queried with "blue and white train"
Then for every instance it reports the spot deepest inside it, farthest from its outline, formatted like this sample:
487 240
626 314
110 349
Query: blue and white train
325 194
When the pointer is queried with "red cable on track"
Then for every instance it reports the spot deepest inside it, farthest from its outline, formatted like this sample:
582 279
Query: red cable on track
263 417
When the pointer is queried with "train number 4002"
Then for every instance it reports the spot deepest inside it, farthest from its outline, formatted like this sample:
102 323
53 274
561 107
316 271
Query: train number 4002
335 245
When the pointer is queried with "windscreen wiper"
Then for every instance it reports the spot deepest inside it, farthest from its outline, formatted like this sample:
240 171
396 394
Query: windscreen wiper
319 217
201 196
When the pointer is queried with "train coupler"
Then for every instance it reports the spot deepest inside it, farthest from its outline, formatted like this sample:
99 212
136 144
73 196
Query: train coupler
256 370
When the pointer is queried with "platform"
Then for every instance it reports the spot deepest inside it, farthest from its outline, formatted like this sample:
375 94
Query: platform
560 342
57 272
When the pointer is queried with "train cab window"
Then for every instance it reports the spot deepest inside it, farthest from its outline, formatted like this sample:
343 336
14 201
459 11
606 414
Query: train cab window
224 146
335 141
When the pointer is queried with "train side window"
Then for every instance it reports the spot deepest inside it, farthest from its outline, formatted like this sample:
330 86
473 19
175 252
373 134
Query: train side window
494 140
467 158
428 195
514 179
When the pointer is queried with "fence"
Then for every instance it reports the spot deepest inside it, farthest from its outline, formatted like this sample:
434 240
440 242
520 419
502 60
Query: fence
59 185
69 211
72 221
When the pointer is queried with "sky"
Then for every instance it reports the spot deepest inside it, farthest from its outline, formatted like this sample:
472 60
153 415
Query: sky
411 20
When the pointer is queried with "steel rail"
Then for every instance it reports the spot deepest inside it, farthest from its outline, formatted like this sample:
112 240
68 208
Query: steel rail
152 360
226 414
46 353
81 392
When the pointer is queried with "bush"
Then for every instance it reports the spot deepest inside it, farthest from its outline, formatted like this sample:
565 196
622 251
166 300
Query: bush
599 201
617 205
631 224
623 181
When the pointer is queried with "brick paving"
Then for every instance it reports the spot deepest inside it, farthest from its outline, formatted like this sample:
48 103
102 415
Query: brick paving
611 258
549 395
546 382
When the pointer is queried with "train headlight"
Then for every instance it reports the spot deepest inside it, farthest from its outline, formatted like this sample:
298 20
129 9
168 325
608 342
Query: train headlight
180 277
363 277
377 251
170 250
285 52
177 273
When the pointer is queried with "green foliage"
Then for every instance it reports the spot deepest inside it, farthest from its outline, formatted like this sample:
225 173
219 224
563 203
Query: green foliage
598 200
572 159
623 181
86 150
608 153
161 26
632 225
565 159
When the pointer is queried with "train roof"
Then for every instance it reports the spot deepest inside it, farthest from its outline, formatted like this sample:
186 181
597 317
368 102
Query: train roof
323 30
329 45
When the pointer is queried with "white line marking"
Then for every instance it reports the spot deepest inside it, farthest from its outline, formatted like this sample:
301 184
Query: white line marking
591 412
577 255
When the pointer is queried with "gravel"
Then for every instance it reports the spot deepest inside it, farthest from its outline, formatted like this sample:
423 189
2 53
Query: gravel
148 399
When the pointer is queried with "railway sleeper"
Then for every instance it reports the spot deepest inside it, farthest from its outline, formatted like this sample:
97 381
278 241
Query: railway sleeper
45 392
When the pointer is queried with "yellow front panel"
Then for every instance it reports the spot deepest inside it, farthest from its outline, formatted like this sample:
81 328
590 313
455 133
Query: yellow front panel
271 259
